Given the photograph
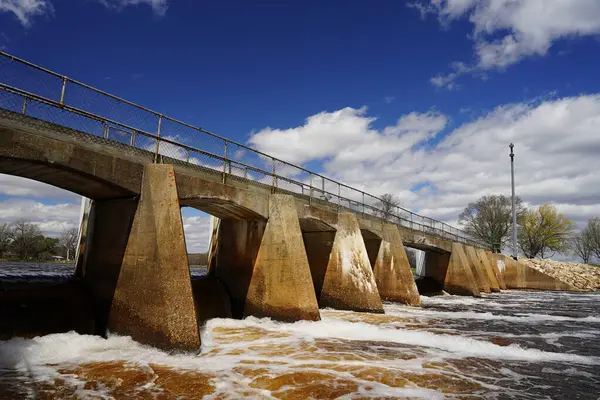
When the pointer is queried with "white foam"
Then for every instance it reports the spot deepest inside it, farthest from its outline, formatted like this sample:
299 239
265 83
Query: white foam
522 318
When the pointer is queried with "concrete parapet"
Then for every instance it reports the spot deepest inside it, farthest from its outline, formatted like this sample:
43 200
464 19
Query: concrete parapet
153 300
394 278
494 264
459 276
478 271
341 269
487 268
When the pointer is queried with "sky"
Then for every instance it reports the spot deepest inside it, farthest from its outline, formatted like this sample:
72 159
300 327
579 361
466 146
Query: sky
417 98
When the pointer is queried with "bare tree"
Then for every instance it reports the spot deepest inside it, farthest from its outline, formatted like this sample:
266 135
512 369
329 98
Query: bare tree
5 238
388 206
24 237
489 220
593 231
68 240
582 245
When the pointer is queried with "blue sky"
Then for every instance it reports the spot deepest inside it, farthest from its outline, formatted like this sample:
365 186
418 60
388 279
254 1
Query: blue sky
425 94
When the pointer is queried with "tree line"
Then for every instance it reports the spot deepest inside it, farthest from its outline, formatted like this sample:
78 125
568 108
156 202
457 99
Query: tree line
541 231
25 241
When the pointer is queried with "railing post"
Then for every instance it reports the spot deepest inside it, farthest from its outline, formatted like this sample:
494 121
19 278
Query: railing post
224 162
62 91
105 133
245 172
24 110
363 204
157 139
132 140
339 197
187 156
274 183
310 190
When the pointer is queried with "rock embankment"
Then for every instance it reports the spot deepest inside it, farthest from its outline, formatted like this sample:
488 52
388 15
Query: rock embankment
582 276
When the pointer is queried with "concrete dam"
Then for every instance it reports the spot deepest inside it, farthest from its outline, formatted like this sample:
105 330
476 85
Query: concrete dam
288 242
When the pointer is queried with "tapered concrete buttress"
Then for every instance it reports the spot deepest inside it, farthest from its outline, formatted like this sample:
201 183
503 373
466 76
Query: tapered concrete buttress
393 276
348 282
494 264
281 286
520 276
485 263
478 271
459 276
153 300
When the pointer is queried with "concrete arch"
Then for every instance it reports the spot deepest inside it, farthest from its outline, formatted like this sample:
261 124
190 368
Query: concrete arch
64 177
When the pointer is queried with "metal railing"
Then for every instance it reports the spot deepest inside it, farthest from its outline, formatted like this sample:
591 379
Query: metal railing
37 92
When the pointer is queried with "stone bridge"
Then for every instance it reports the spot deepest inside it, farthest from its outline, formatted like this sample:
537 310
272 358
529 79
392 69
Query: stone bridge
284 244
277 255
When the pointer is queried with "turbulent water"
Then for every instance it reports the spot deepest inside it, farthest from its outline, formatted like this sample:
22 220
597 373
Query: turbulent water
521 345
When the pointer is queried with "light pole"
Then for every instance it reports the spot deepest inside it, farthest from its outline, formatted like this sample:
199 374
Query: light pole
514 211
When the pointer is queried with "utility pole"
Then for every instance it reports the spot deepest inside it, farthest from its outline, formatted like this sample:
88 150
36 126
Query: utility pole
514 211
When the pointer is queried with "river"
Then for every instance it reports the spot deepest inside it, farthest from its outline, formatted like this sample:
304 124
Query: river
509 345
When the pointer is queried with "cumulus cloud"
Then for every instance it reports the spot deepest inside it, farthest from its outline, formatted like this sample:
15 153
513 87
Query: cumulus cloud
346 135
506 31
197 232
26 10
556 155
159 7
51 218
16 186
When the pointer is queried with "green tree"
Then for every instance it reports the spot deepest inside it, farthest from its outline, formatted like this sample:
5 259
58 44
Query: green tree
542 230
489 220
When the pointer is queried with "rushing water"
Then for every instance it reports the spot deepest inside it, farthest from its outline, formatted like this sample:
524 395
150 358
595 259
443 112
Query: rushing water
521 345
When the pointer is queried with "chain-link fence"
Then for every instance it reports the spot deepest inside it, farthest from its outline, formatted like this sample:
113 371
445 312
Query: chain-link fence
36 92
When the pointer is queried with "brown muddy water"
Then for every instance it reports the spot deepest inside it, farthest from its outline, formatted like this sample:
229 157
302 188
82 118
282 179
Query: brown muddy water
509 345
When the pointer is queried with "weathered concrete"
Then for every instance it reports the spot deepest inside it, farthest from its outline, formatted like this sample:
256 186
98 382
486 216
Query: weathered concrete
519 276
109 227
477 269
264 267
153 300
436 268
392 272
487 268
211 299
494 264
348 281
281 284
459 278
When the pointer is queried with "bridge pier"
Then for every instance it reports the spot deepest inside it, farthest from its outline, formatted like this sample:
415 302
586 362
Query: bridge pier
477 270
136 267
340 267
487 268
453 270
394 278
494 264
264 266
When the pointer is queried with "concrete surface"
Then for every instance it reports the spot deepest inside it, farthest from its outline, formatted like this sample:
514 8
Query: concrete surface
153 300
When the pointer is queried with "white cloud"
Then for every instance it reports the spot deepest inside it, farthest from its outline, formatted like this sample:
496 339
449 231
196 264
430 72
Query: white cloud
346 135
556 141
197 233
51 219
26 10
159 7
506 31
16 186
